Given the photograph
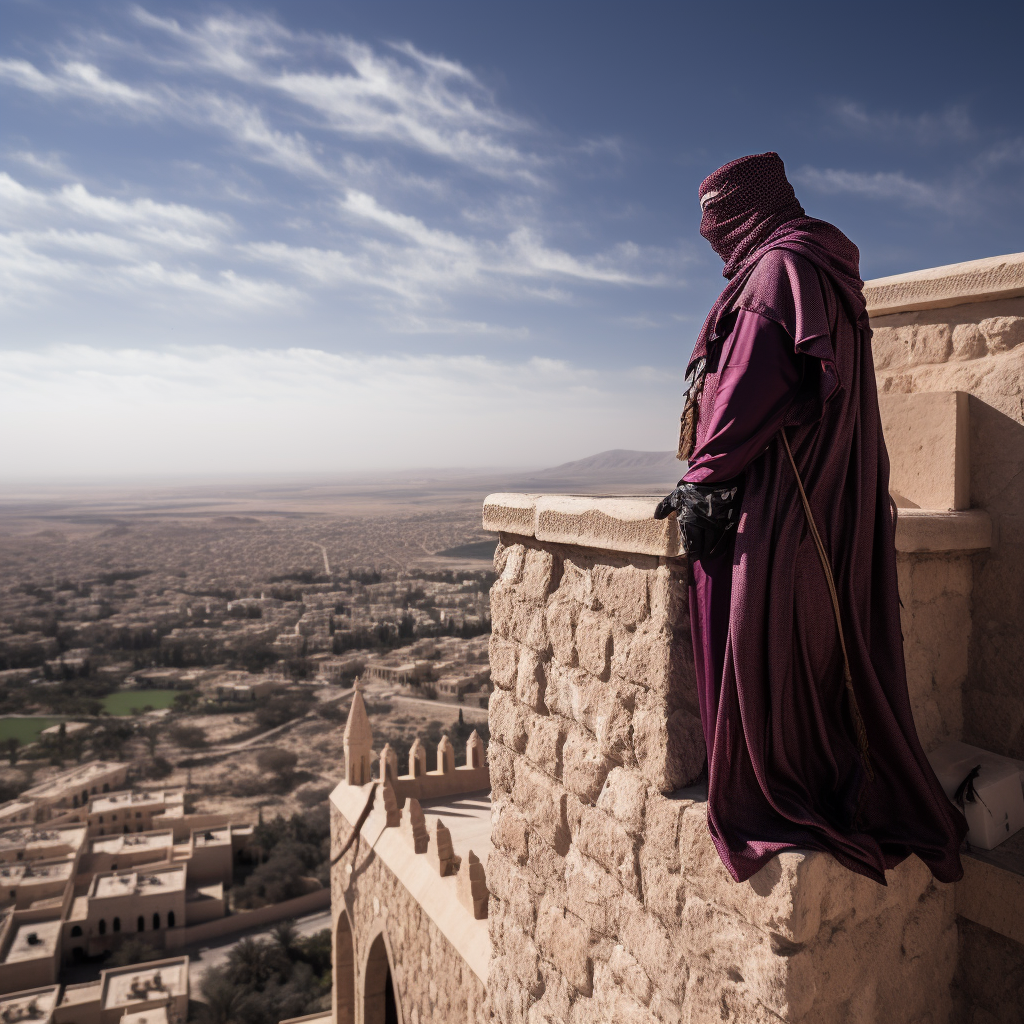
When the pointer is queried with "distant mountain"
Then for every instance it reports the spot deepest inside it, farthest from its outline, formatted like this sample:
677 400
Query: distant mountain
616 467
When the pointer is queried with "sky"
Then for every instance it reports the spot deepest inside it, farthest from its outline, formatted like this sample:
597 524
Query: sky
331 237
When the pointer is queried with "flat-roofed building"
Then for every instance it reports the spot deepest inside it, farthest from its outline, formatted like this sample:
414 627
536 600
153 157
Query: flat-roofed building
26 883
17 812
29 952
150 993
211 856
34 1004
33 842
152 986
74 787
131 810
110 853
127 903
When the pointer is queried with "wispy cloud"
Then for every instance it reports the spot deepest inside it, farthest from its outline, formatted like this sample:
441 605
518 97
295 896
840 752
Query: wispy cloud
78 79
400 95
884 185
953 123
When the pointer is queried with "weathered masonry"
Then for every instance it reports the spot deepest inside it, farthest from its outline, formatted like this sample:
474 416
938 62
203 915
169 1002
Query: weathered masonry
607 899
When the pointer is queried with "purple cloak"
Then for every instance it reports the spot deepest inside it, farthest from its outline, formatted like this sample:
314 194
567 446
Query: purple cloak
789 347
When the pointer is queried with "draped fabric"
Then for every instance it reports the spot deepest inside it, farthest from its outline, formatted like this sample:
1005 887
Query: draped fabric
790 348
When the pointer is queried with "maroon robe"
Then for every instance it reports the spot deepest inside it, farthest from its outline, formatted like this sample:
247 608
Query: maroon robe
791 349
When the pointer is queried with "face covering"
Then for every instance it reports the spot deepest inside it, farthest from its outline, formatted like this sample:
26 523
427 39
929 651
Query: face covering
743 203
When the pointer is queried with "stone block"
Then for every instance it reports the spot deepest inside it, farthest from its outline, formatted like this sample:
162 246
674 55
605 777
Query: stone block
544 744
928 439
663 818
563 939
442 851
628 974
501 767
531 681
657 952
669 746
513 894
508 721
968 342
645 659
538 572
510 831
622 592
605 841
555 1004
1002 332
584 766
664 891
624 797
561 615
594 643
911 345
504 662
542 802
590 891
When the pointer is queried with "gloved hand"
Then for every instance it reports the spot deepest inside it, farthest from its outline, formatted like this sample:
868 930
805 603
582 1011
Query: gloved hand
670 503
707 514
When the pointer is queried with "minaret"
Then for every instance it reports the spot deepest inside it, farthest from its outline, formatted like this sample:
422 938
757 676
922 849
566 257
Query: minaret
358 740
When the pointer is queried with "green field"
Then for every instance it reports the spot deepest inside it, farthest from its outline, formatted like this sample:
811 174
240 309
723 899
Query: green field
25 730
122 702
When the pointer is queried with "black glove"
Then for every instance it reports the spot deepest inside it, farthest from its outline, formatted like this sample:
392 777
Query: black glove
707 513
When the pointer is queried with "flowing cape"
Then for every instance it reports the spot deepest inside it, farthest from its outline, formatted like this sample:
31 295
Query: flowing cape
784 769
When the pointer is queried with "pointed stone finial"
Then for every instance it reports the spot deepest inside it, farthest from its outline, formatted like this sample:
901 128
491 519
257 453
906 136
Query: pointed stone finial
471 886
414 826
417 759
358 741
474 751
388 762
445 756
443 851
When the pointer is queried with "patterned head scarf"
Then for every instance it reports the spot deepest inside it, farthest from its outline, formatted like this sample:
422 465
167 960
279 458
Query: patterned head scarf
744 203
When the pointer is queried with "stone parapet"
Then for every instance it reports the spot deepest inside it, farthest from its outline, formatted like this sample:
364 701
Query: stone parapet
608 899
985 280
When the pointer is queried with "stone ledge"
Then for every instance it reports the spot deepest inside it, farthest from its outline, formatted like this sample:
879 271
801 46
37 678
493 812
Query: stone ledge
923 530
610 523
997 277
625 524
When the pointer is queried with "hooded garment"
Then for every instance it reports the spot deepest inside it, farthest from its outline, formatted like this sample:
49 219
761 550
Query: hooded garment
788 346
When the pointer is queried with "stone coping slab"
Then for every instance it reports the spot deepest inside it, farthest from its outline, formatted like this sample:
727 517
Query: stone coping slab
468 818
624 523
996 277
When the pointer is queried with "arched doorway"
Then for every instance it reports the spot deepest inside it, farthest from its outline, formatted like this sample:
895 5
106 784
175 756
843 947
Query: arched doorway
344 973
379 1003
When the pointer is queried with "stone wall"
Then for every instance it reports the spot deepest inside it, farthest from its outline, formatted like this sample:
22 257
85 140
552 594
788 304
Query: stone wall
432 981
977 348
609 902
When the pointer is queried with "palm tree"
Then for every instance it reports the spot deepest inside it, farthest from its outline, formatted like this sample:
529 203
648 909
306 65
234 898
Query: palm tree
252 963
285 935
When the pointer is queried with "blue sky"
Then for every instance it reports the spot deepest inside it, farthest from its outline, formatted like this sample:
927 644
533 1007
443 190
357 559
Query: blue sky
321 237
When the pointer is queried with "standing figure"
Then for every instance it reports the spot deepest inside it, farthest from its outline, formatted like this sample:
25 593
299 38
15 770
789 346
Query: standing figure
799 655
